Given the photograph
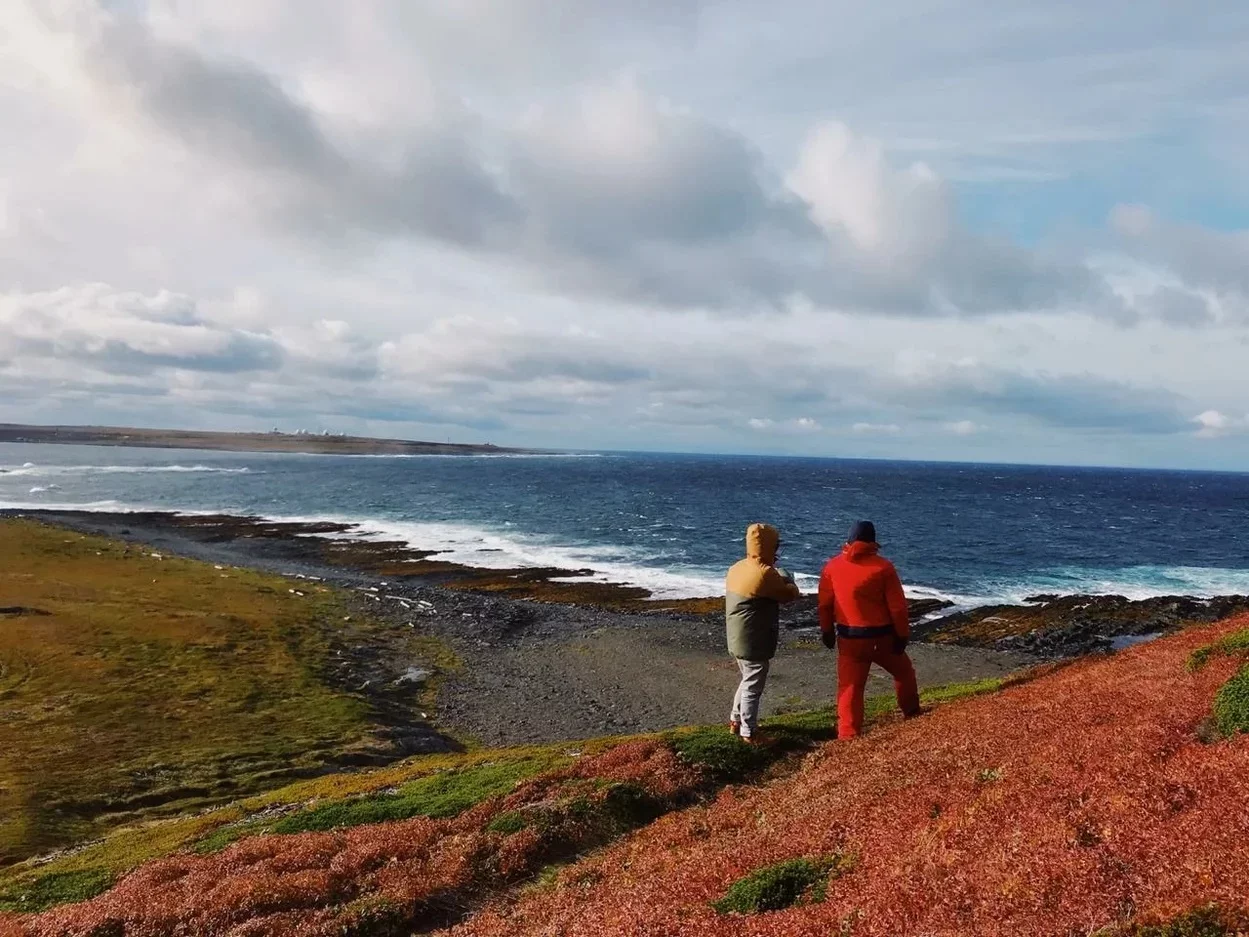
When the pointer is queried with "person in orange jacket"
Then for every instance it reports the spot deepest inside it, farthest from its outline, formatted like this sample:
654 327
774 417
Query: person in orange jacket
863 613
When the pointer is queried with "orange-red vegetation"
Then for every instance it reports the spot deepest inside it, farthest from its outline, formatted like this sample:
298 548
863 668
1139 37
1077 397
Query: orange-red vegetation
419 871
1057 807
1084 799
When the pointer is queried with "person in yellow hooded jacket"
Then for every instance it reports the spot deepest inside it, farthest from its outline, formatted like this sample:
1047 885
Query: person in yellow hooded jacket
754 589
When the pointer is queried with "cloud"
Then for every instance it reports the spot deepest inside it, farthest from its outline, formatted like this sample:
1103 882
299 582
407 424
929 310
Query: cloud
802 425
489 373
331 347
461 350
964 427
630 224
1072 401
620 194
889 429
896 232
127 332
1212 424
1204 272
242 116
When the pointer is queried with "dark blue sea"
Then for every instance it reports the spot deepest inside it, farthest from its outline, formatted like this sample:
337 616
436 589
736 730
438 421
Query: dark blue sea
673 523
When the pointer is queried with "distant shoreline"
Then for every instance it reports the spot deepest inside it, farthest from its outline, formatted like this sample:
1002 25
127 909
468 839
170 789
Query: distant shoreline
1049 626
240 442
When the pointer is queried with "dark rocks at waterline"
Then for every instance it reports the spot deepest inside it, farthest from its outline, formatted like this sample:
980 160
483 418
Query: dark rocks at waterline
1067 626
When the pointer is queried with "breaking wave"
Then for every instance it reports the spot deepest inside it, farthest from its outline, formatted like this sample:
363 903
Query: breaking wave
29 469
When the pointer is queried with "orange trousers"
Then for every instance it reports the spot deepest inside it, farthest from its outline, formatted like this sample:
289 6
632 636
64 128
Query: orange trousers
855 657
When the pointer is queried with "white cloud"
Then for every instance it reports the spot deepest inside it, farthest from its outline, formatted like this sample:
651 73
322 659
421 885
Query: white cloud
964 427
1201 275
126 332
651 226
890 429
622 195
799 426
1211 424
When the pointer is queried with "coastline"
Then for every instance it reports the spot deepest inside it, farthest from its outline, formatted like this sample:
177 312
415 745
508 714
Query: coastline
299 442
550 654
542 661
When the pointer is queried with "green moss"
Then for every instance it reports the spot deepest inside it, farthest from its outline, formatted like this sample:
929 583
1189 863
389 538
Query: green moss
724 756
222 837
729 760
440 796
55 888
1231 705
950 692
376 917
1208 921
509 822
1227 646
782 885
816 724
630 805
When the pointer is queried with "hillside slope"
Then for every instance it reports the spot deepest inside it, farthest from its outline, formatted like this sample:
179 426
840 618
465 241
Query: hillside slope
1082 800
1104 794
134 683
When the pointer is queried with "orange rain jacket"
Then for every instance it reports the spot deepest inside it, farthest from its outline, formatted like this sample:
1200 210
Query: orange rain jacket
861 594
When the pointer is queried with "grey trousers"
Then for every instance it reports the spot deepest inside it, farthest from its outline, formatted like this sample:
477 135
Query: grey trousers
749 694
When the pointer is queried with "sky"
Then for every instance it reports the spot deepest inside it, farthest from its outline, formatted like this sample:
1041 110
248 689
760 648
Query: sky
934 229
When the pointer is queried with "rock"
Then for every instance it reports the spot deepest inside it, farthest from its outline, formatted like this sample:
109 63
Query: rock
413 676
1065 626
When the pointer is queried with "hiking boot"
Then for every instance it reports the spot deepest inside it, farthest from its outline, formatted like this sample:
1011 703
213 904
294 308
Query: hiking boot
735 728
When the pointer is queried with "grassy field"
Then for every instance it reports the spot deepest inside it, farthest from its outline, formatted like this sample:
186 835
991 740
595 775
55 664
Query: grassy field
133 684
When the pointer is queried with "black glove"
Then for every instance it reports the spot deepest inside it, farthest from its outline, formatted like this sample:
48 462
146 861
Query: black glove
899 644
829 638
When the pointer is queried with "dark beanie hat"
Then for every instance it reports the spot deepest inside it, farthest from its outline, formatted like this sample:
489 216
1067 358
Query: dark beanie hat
862 530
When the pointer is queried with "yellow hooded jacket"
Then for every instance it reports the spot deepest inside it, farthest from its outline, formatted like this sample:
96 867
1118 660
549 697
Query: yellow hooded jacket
754 590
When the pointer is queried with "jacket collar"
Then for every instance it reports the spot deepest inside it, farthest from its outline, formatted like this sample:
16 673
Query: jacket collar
860 548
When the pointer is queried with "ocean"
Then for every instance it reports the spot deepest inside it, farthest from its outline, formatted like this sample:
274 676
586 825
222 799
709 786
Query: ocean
673 523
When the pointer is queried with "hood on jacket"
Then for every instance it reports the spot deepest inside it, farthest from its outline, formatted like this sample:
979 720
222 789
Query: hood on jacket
860 548
762 541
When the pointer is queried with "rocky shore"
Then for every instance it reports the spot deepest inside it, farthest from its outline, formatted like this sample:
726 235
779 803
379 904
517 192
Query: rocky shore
550 654
1053 626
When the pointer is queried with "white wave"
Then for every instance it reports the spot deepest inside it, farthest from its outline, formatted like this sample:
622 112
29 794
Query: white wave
506 549
494 549
1143 582
473 455
41 488
32 470
111 507
1131 582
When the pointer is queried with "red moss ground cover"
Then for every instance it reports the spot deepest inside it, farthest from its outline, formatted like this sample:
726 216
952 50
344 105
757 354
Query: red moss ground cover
1080 800
382 878
1076 802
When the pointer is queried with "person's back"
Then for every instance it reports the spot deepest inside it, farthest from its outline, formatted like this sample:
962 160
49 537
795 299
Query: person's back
753 592
863 612
865 593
